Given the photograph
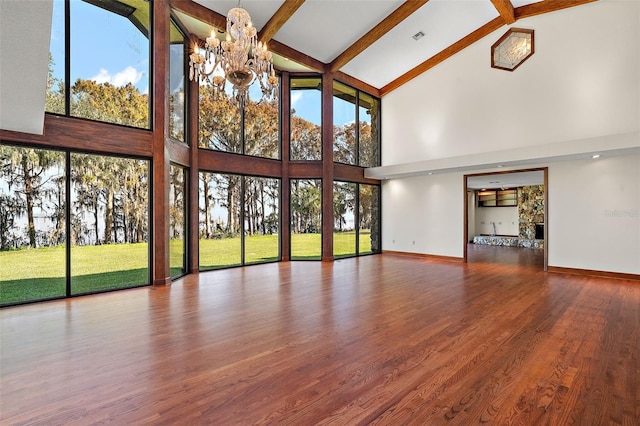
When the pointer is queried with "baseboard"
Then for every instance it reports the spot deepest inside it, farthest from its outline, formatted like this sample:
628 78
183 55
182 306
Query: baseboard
424 256
593 273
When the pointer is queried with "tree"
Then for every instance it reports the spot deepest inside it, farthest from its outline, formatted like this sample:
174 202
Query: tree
109 103
11 207
28 171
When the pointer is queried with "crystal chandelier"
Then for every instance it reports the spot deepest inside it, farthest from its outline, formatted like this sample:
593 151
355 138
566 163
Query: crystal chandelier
240 59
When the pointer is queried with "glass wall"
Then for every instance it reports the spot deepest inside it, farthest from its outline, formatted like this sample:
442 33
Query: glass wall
344 230
261 220
344 124
369 219
355 145
177 94
306 219
306 119
32 224
105 224
55 97
224 127
234 233
261 125
109 223
220 243
177 220
110 75
368 130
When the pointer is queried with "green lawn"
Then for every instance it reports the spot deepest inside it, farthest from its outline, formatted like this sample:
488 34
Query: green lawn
35 274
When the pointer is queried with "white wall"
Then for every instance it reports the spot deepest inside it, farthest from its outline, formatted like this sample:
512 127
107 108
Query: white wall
594 214
424 214
505 218
582 83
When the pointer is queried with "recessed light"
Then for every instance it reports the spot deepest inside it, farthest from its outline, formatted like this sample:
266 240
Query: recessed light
595 156
430 173
500 166
417 36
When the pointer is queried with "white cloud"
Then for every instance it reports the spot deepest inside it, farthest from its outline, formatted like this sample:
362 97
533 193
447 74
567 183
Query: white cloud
127 75
296 97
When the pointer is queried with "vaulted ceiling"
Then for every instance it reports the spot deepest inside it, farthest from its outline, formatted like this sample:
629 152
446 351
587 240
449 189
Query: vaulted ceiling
370 40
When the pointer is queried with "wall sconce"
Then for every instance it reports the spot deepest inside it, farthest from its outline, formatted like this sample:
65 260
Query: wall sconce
512 49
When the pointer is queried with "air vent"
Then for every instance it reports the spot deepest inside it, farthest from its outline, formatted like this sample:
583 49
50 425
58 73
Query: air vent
417 36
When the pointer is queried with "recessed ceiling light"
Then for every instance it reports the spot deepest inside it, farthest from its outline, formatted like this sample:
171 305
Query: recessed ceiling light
595 156
430 173
500 166
417 36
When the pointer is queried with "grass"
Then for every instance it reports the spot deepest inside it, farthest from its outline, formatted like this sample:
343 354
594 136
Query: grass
36 274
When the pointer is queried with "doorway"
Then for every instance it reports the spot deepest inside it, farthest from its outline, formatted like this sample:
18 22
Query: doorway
505 217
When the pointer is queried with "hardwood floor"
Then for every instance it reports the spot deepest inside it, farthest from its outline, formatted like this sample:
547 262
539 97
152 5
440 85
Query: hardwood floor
376 340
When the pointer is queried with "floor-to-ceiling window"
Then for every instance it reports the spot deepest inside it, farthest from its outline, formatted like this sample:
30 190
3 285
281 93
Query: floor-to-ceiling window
109 223
369 229
344 219
306 219
64 210
33 217
239 220
177 220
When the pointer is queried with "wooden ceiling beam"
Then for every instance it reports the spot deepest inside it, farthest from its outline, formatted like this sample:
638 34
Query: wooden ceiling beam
505 9
199 12
282 15
456 47
542 7
400 14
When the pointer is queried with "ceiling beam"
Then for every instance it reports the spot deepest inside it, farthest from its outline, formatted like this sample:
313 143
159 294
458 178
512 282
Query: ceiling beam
505 9
397 16
542 7
278 19
456 47
199 12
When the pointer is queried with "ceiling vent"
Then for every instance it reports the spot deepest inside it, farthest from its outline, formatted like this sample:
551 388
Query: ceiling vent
417 36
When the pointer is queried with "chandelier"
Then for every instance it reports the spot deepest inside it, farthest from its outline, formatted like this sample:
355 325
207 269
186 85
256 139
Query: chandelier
239 59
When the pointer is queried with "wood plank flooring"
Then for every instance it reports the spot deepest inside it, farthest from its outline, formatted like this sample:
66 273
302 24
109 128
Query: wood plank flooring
384 340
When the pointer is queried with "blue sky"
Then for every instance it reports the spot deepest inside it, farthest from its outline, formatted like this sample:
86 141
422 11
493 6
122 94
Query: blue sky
105 47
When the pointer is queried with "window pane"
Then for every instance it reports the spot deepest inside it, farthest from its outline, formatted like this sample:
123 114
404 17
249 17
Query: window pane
109 223
176 84
261 125
261 220
177 220
344 232
306 118
369 216
32 224
306 219
219 121
110 74
369 143
344 124
220 243
55 101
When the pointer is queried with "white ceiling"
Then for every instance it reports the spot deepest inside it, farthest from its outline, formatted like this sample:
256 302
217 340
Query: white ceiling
323 29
